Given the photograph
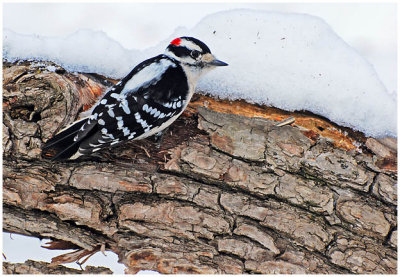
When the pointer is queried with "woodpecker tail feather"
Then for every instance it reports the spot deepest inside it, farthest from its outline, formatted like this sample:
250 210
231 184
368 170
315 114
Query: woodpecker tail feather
62 146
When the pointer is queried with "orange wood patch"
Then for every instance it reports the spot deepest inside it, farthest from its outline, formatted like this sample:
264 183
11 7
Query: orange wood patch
315 126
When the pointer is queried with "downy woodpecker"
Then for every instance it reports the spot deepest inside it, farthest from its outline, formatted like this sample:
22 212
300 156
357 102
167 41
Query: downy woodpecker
145 102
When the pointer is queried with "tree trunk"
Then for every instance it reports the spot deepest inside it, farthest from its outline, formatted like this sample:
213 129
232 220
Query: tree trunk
228 191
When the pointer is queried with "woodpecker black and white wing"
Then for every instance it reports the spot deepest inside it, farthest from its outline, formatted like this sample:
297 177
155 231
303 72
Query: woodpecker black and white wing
145 102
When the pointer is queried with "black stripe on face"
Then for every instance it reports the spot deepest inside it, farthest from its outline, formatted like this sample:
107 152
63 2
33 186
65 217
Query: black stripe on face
179 51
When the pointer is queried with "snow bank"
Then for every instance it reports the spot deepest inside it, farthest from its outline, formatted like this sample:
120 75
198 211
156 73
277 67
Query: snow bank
290 61
83 51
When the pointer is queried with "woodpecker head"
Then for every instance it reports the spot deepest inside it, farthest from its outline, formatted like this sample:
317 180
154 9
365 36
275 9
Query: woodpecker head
193 55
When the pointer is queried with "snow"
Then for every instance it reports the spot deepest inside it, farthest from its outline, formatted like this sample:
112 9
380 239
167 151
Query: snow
83 51
286 60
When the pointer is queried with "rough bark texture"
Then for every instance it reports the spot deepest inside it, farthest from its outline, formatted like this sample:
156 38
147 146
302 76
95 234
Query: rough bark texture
226 192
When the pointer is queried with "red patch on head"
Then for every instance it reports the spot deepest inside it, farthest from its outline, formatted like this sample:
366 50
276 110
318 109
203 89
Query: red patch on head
176 41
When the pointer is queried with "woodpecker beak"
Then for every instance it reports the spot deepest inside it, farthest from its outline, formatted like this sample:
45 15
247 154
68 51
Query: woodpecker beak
210 60
217 63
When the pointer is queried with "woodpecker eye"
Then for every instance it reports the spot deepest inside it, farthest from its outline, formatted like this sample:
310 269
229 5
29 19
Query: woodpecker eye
195 54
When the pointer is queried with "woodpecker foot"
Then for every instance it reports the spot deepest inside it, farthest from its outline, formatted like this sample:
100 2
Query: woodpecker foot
158 138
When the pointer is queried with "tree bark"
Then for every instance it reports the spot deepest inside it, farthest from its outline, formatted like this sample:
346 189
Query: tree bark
227 191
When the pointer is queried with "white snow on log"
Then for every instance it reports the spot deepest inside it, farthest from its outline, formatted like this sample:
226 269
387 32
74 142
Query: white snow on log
289 61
